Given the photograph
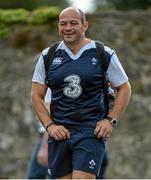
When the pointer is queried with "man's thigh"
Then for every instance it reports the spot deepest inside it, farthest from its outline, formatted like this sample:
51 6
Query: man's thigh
103 166
87 156
69 176
59 159
82 175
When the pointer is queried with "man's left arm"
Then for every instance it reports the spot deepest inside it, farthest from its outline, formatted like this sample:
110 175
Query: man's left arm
104 127
121 100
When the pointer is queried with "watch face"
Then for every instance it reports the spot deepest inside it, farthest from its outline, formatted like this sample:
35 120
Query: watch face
114 122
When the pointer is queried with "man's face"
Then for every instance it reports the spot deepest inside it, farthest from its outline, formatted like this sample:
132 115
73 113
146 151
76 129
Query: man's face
71 29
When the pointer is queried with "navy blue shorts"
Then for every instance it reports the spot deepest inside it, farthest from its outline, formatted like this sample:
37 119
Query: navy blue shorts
83 151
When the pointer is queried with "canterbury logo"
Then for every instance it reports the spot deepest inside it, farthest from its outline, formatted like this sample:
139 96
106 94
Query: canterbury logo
57 60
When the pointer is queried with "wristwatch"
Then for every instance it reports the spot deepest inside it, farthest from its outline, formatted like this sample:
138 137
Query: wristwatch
112 120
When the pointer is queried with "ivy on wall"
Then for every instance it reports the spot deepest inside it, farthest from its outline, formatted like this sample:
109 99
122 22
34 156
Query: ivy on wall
21 16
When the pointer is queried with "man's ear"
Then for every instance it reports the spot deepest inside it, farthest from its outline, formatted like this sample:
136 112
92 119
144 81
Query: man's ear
85 25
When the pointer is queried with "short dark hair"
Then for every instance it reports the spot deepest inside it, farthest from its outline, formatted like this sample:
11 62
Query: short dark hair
81 13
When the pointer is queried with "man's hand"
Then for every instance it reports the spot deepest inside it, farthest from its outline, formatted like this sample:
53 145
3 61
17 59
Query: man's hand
42 156
58 132
103 129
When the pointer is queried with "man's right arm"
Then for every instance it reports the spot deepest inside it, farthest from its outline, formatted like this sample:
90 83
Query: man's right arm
38 92
58 132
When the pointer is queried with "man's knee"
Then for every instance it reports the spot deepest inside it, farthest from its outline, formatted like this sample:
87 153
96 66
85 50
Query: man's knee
69 176
82 175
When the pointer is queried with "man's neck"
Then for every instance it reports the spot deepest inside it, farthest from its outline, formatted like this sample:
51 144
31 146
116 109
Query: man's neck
76 47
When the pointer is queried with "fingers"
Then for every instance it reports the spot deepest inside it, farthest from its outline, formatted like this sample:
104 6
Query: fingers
97 129
102 133
103 129
62 134
66 133
59 132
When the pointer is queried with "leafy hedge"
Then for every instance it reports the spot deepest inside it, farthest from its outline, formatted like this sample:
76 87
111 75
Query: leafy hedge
17 16
43 15
13 16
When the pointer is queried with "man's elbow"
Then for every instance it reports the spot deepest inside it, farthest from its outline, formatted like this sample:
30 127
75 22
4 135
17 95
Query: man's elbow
37 92
33 97
126 88
33 100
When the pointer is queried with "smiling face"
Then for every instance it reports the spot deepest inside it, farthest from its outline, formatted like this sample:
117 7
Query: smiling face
72 26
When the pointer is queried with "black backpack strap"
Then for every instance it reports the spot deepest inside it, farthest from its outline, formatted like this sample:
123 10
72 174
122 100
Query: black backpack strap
100 52
104 65
50 54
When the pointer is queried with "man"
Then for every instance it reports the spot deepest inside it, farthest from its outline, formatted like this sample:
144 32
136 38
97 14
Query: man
77 127
38 165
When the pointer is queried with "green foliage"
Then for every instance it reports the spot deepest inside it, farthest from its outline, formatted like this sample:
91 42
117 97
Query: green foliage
122 5
3 30
43 15
18 16
130 4
38 16
32 4
12 16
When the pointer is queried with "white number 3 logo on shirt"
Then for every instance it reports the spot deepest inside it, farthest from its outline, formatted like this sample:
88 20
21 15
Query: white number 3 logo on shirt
73 90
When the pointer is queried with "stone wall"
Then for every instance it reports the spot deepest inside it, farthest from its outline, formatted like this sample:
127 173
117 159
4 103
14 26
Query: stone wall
129 147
